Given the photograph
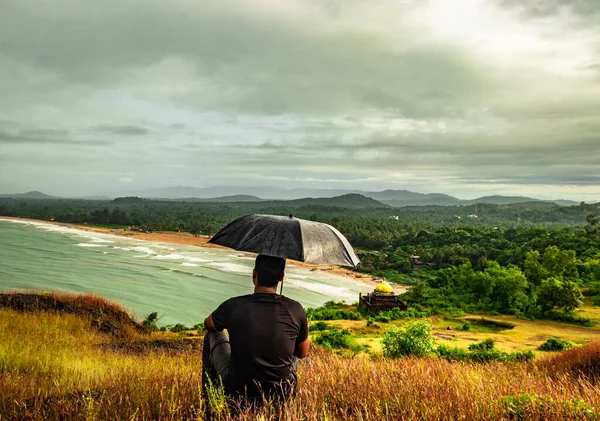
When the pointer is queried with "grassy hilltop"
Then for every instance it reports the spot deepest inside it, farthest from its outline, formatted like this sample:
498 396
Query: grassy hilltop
82 357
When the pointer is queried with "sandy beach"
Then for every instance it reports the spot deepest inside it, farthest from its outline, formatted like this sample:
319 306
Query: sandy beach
185 238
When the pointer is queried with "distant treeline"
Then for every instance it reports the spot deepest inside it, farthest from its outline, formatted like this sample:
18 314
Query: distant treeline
530 259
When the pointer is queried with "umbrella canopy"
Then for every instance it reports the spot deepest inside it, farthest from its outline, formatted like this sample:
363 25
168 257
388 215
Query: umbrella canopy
287 237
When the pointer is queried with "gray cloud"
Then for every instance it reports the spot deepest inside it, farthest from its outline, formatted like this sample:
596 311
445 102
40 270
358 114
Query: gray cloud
41 137
401 94
124 130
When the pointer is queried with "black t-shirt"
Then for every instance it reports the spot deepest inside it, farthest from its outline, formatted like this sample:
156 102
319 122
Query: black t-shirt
264 329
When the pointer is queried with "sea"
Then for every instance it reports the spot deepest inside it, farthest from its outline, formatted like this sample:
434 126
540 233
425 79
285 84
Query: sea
183 284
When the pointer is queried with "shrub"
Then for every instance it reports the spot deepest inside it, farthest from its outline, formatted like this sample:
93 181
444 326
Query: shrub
179 328
452 354
596 300
149 322
414 340
382 318
328 314
333 304
397 314
466 326
318 326
456 313
482 354
486 345
335 338
555 344
199 327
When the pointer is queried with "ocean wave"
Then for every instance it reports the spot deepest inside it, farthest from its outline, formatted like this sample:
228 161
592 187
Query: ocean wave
140 249
102 240
325 289
169 257
184 272
198 260
230 267
193 265
89 245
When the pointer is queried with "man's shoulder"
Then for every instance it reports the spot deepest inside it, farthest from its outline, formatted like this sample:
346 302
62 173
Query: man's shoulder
292 304
238 299
234 301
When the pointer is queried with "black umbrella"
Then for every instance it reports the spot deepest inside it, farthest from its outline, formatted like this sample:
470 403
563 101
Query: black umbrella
287 237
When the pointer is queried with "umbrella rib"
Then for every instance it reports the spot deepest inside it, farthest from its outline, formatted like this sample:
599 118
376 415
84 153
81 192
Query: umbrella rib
340 241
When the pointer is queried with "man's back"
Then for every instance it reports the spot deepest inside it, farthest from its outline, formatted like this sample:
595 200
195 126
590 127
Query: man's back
264 329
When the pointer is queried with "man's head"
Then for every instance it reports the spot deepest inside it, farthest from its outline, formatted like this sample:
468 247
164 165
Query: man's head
268 270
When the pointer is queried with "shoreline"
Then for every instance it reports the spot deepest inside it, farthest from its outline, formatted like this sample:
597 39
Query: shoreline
184 238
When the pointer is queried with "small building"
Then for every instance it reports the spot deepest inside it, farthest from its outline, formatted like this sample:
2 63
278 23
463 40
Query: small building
417 262
381 299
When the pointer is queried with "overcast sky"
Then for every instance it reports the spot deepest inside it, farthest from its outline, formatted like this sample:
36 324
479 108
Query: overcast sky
464 97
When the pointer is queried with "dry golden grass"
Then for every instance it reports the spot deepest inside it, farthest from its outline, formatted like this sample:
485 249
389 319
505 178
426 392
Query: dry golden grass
55 366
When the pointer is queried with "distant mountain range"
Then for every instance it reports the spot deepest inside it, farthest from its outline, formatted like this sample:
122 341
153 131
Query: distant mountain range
39 195
236 198
395 198
29 195
335 197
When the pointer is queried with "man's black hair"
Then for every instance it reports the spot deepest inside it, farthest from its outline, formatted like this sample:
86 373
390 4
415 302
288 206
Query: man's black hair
269 270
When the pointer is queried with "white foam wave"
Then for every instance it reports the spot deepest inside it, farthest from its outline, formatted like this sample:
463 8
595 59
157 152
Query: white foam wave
102 240
325 289
140 249
89 245
193 265
197 260
231 267
169 257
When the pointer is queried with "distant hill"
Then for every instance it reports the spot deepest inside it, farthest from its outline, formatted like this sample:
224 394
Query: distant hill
227 199
405 195
105 198
348 201
129 200
29 195
565 202
423 202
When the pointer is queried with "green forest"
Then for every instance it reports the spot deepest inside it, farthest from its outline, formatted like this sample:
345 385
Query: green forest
536 260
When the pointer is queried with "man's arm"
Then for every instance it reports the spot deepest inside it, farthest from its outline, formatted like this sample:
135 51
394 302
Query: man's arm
302 348
219 319
209 324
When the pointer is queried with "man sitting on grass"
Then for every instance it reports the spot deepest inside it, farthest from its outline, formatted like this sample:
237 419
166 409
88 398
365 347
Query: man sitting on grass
267 333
